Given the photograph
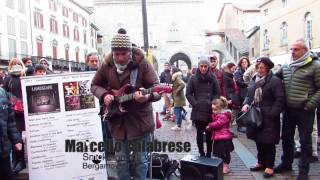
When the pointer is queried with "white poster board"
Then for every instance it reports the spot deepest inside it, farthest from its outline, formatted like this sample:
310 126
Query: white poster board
60 110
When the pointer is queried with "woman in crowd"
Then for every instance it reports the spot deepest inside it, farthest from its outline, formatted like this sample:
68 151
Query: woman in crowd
12 85
243 65
267 92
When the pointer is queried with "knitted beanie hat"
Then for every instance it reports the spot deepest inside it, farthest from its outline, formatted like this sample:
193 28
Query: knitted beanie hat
121 41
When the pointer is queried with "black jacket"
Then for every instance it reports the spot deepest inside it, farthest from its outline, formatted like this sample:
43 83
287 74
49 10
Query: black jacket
165 77
272 104
201 90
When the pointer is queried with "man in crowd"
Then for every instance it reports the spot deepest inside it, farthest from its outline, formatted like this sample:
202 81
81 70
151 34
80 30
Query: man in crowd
301 78
127 65
45 63
28 64
165 77
218 73
92 61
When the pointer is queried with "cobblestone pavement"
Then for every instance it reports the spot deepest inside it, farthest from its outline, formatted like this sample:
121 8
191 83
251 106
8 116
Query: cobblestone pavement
239 169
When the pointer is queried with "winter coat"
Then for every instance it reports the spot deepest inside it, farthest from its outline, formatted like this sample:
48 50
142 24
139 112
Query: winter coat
138 121
230 88
219 76
165 77
220 126
302 86
201 90
8 131
271 105
238 76
179 99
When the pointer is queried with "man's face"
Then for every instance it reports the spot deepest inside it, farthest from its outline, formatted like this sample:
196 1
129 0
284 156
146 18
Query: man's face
213 61
93 61
44 63
166 67
297 50
40 72
203 68
121 57
28 63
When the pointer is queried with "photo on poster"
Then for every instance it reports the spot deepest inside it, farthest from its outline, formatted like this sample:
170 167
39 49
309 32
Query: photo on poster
43 99
78 96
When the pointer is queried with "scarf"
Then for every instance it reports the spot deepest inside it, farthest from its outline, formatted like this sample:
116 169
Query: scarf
295 64
260 81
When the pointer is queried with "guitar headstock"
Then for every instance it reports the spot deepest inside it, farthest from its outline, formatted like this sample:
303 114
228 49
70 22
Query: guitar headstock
163 88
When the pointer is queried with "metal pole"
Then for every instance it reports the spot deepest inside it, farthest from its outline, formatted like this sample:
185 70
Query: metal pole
145 26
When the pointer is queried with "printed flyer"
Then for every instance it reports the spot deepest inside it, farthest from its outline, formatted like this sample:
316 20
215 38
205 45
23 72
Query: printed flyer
60 111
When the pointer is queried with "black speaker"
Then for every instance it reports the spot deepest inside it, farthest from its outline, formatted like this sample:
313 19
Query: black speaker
201 168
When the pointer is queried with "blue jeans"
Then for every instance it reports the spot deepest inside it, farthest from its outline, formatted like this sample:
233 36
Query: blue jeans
135 164
178 112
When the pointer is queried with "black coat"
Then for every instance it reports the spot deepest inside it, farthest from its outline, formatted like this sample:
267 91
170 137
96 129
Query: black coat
272 104
201 90
230 88
165 77
243 87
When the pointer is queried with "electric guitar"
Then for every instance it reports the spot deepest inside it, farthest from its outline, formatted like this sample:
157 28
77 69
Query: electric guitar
125 94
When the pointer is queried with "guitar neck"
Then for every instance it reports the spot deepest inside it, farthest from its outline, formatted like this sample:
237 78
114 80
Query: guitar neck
128 97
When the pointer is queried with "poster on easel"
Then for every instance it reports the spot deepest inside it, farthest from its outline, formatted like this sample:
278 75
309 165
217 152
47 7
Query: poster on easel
63 129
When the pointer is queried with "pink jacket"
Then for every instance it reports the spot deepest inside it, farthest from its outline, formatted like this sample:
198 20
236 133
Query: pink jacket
220 126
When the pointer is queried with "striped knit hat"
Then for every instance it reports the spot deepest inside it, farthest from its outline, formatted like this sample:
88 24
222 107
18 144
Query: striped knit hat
121 41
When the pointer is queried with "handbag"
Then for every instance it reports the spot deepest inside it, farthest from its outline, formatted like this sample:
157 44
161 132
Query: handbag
252 118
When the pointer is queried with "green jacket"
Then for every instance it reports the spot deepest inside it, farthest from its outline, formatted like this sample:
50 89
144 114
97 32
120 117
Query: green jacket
179 99
302 86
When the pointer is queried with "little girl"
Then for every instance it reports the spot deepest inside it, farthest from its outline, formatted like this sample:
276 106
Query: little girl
221 134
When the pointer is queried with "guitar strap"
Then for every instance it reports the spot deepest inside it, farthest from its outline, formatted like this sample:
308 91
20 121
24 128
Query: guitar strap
133 77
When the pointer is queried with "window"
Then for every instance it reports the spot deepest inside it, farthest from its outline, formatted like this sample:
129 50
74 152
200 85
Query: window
10 4
66 30
12 48
76 34
21 6
53 5
75 17
85 37
38 20
252 52
23 29
284 3
266 12
24 48
266 40
39 48
77 55
84 22
67 54
53 25
11 25
308 26
65 11
284 34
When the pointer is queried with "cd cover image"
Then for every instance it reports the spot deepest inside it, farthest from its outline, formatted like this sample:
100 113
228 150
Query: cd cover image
43 99
77 95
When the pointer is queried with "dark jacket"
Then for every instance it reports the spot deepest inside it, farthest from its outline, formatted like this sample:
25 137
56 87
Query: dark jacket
139 120
165 77
12 84
220 126
238 76
8 131
272 104
219 75
201 90
230 88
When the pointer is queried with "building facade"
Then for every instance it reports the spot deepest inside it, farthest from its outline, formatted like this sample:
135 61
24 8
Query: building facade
283 21
58 30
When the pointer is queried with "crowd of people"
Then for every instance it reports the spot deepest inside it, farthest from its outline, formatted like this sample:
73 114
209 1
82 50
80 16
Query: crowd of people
217 97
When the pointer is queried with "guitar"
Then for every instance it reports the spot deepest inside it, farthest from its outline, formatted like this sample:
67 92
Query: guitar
125 94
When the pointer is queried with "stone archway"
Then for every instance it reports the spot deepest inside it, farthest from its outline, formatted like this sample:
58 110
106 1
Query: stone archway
180 57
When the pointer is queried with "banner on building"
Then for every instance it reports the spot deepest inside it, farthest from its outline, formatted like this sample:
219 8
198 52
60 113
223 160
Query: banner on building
62 123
